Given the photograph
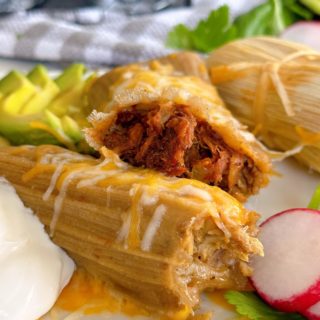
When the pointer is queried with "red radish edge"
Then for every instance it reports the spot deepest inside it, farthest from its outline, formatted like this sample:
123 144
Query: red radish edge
297 303
312 23
304 32
314 211
313 313
300 302
310 316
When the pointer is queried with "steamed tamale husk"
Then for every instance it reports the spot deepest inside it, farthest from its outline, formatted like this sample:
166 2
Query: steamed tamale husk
137 88
176 64
273 86
107 216
183 63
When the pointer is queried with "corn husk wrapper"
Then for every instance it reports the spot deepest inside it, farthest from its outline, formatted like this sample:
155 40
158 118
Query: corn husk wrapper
167 82
273 86
158 240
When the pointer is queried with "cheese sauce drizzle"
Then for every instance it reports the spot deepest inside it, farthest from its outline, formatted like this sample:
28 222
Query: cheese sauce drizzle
153 227
146 189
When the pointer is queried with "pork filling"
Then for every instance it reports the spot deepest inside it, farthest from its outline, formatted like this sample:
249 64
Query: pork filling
176 143
212 261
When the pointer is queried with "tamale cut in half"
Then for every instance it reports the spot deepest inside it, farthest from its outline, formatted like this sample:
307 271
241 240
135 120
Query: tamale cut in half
273 86
157 117
159 239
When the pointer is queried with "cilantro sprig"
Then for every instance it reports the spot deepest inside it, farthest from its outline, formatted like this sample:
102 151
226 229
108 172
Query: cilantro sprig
269 18
315 200
208 34
249 305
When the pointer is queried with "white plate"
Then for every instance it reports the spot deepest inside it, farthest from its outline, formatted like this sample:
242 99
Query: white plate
293 188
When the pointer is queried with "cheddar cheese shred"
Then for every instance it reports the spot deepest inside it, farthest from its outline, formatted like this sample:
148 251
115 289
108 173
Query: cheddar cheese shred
161 240
160 117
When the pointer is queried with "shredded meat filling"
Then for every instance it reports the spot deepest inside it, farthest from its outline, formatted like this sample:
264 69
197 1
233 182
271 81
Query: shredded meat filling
177 144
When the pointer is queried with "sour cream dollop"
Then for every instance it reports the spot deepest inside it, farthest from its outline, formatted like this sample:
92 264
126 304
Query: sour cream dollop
33 270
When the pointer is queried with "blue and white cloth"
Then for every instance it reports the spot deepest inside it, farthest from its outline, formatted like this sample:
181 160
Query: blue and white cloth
96 36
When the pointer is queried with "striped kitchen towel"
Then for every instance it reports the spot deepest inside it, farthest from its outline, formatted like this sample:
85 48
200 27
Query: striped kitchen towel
96 36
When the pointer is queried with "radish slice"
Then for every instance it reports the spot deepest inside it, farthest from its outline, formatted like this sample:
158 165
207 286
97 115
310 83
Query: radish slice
288 276
304 32
313 313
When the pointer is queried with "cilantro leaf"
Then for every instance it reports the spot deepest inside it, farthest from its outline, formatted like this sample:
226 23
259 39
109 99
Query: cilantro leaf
180 38
301 11
269 18
207 35
254 22
248 304
215 31
315 200
313 5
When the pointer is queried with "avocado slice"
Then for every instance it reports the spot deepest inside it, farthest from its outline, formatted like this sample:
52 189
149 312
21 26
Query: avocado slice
72 129
68 101
18 130
39 76
47 90
313 5
16 90
71 83
73 102
71 76
36 109
10 82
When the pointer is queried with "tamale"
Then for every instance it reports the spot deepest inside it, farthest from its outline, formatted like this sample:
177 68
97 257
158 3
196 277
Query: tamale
273 86
158 239
175 124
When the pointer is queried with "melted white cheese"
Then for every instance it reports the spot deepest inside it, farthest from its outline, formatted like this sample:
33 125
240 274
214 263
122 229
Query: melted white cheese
124 230
148 199
80 173
54 180
33 270
153 227
190 190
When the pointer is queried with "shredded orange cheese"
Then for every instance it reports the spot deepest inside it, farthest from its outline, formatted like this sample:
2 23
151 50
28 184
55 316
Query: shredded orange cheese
136 212
67 168
88 295
58 134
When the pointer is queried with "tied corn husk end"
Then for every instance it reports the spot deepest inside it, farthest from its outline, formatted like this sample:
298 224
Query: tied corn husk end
272 86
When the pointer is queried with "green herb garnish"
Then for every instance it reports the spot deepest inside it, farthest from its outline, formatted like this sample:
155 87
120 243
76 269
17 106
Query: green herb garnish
248 304
208 34
269 18
315 200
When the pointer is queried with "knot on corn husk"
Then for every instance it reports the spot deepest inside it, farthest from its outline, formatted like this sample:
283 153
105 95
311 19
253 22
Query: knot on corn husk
307 137
269 73
269 77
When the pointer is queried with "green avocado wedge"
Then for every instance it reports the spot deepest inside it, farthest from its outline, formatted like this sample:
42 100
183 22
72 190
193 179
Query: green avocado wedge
16 90
18 130
47 89
71 76
37 109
